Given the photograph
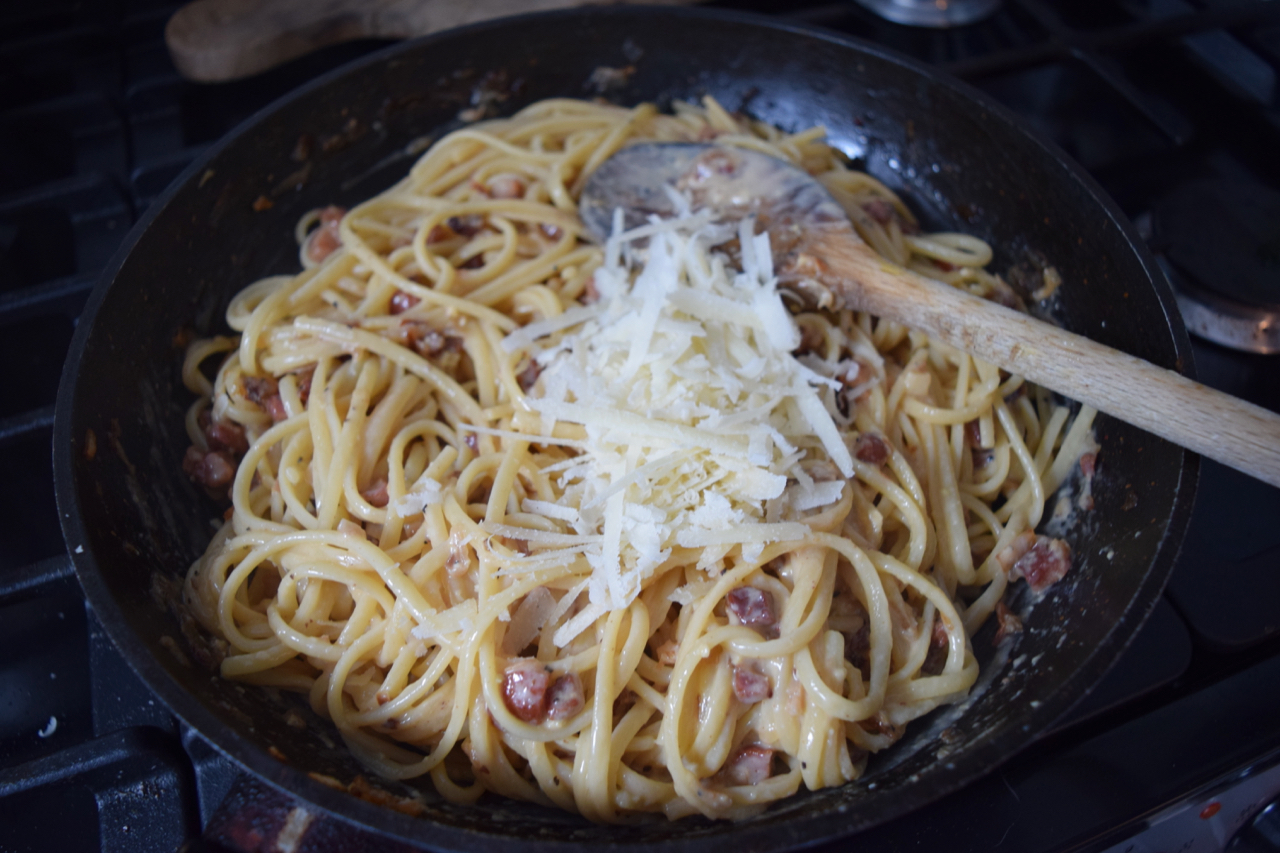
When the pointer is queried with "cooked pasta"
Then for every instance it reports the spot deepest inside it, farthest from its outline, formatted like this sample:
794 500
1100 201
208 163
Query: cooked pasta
608 527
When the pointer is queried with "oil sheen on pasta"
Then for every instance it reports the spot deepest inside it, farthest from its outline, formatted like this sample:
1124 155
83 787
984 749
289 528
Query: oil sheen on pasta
680 554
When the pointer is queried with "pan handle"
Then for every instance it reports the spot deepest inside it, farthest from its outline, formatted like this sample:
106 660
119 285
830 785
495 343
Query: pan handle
213 41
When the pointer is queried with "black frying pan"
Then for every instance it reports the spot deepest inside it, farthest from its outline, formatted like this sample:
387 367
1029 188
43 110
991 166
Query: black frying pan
133 520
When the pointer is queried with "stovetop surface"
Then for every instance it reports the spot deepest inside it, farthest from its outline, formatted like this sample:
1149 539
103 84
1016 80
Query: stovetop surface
94 122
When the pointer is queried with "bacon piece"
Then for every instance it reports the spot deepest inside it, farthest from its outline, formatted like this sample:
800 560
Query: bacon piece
376 494
265 392
940 636
467 226
565 699
524 689
551 232
192 460
878 725
504 185
1008 624
434 343
590 293
754 608
227 435
625 702
304 378
973 434
666 653
213 470
939 641
420 337
750 685
811 339
321 243
402 302
871 449
879 210
275 407
1045 564
1088 464
529 376
258 388
1014 551
749 764
325 240
857 647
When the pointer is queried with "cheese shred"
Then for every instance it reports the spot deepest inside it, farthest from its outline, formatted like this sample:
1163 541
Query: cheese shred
682 375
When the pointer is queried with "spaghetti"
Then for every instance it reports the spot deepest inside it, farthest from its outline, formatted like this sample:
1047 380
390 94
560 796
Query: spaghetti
608 527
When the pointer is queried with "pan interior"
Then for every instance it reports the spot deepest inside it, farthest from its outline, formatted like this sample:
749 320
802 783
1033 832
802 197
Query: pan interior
960 162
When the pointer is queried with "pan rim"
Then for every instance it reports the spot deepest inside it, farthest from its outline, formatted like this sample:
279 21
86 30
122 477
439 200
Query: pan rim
771 835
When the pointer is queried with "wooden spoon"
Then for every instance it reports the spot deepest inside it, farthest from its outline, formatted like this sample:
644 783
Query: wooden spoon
819 254
216 40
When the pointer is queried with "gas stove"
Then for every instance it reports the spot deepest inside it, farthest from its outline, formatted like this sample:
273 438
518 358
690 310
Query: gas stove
1172 105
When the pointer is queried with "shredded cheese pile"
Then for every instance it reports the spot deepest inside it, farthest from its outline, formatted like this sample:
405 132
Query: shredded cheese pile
696 414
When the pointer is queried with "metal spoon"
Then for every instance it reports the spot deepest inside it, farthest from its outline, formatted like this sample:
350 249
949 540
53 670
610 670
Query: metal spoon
818 254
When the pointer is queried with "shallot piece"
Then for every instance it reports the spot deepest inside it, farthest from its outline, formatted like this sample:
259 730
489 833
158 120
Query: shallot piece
528 620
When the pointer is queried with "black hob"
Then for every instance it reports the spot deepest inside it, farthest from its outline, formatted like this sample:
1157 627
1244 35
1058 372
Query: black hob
1160 100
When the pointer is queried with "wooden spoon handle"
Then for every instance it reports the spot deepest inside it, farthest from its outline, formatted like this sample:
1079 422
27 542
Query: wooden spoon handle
217 40
1194 416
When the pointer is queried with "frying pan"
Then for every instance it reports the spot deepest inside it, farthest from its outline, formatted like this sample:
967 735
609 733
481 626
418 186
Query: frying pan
134 523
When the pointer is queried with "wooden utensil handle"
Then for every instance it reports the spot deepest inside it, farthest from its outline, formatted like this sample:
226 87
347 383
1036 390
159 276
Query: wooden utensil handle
216 40
1217 425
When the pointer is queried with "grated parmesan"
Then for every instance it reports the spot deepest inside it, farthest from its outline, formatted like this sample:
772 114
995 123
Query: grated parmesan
697 416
